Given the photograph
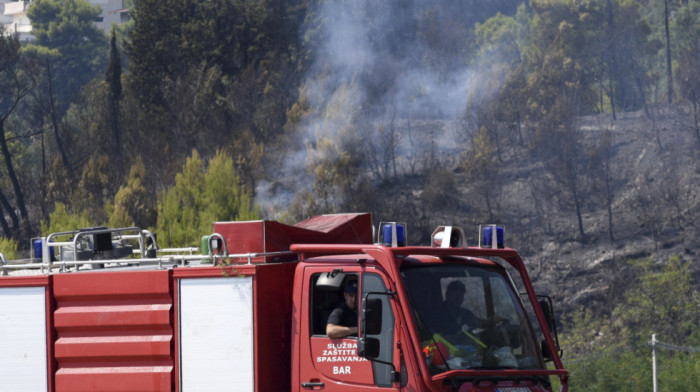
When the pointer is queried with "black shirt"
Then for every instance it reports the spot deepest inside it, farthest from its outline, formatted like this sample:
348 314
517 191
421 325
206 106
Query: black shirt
343 315
450 320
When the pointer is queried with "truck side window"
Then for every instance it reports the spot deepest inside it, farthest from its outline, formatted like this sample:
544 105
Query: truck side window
372 283
323 301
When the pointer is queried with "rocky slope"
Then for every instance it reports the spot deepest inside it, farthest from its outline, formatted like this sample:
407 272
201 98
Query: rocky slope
656 211
655 168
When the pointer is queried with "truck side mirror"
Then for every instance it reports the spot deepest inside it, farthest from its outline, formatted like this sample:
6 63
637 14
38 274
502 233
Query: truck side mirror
368 347
371 322
548 315
545 303
372 316
546 355
371 325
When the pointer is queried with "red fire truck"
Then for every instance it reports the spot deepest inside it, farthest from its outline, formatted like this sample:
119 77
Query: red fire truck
103 309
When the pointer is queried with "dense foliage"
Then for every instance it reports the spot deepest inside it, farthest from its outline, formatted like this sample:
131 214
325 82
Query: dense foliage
339 96
613 353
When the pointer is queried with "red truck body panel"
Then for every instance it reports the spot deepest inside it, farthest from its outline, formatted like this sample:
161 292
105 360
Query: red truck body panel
117 331
114 331
270 236
272 304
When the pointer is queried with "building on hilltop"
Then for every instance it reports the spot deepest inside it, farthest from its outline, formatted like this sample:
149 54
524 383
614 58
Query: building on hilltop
13 15
113 12
15 20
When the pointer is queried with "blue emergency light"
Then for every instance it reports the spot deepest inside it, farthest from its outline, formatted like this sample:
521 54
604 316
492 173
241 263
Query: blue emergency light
488 237
38 252
387 233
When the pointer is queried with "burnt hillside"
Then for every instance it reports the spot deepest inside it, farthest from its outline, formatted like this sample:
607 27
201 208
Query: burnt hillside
655 210
654 194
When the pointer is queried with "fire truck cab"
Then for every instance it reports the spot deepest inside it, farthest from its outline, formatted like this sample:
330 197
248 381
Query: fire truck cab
252 312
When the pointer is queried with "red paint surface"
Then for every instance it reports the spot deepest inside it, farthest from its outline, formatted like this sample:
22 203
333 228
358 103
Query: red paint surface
272 286
337 361
113 331
272 236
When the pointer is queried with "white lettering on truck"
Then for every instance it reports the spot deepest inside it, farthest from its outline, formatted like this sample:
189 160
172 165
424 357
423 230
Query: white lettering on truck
340 353
341 369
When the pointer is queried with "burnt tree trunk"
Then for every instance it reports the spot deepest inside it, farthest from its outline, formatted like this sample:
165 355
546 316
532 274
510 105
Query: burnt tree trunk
19 197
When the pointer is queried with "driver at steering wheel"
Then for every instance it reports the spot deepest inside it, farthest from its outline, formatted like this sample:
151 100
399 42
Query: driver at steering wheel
456 315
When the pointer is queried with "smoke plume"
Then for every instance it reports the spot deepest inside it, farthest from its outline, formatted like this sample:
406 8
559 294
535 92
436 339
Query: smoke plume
387 77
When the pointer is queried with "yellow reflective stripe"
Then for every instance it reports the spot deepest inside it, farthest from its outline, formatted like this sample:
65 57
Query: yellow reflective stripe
475 339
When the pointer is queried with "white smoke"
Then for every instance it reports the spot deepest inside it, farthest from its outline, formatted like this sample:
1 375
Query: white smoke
370 72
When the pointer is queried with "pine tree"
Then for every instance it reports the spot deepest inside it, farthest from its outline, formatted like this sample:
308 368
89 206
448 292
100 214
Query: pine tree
200 196
113 77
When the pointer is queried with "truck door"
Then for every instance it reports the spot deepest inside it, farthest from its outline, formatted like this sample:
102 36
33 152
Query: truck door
333 364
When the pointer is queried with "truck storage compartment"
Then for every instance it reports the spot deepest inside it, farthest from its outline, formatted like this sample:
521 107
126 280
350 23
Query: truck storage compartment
113 331
23 338
216 334
271 236
233 327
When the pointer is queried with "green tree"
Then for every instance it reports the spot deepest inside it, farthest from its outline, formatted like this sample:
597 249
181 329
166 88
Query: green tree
560 88
669 68
500 40
67 26
73 52
500 37
131 203
153 47
612 354
583 327
93 188
662 303
180 206
225 197
8 248
560 52
218 70
18 77
626 55
686 29
113 78
608 40
334 162
200 196
64 219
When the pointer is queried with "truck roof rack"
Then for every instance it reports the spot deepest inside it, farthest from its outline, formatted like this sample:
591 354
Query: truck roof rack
122 248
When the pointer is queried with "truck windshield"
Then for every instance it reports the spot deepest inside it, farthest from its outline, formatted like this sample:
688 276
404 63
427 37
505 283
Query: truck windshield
469 317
